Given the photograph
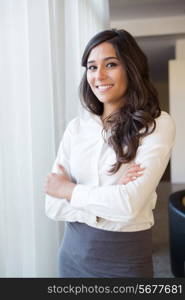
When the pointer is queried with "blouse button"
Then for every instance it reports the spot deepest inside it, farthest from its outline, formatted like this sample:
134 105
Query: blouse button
97 219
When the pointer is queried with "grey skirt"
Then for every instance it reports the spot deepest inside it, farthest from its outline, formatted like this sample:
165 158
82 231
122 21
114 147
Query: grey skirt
90 252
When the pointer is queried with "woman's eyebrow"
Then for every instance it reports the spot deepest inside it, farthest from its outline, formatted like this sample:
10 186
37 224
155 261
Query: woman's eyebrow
106 58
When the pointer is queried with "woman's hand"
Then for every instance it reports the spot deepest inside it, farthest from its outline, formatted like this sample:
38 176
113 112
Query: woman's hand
131 174
59 185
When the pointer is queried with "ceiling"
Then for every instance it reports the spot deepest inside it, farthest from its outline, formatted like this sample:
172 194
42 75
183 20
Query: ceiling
159 49
136 9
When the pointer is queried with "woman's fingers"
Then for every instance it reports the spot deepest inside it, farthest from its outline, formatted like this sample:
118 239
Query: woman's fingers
133 176
132 173
135 168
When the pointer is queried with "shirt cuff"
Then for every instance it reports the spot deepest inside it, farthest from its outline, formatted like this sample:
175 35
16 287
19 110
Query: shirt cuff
79 196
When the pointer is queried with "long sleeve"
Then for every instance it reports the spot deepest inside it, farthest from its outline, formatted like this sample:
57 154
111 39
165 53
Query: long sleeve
125 202
55 208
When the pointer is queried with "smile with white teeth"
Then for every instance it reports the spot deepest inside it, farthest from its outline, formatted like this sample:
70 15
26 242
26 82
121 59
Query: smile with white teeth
104 87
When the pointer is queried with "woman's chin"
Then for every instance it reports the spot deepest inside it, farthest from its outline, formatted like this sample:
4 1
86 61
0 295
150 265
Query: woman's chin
104 99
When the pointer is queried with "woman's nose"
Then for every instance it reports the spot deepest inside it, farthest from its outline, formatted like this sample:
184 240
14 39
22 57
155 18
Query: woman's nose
100 73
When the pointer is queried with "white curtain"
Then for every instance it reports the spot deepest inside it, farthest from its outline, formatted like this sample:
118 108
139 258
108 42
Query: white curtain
83 19
39 75
27 139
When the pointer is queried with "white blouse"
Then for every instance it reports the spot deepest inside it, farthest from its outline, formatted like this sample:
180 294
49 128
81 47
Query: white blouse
97 199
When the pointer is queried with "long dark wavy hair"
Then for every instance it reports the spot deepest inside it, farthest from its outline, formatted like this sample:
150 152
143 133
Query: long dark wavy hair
141 104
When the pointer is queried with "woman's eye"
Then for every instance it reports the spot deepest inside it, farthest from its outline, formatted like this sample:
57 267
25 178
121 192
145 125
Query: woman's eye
111 64
91 67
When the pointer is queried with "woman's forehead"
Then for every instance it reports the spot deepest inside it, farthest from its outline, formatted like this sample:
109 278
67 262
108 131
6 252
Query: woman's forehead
102 51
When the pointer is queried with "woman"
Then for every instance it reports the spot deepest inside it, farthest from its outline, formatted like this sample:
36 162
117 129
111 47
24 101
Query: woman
109 164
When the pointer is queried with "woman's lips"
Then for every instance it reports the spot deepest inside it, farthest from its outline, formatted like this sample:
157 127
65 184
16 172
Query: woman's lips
104 88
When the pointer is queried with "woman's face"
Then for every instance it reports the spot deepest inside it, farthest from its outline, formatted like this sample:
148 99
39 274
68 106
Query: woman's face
106 75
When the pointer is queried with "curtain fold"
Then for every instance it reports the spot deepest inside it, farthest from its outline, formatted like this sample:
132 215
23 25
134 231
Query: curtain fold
39 66
27 139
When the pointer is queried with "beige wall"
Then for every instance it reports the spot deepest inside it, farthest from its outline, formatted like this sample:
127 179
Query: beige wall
163 92
177 109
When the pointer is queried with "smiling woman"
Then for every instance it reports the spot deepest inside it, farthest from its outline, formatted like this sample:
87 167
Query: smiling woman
108 198
107 77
